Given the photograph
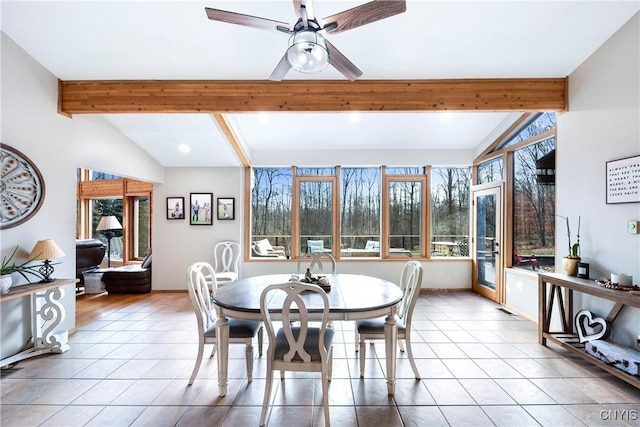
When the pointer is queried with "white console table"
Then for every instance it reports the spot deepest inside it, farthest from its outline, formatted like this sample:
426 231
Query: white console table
46 315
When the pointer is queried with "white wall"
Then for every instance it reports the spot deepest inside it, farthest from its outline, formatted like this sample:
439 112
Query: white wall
57 145
602 124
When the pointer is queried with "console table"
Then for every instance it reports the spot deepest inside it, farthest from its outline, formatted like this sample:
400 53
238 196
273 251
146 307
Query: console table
561 288
46 315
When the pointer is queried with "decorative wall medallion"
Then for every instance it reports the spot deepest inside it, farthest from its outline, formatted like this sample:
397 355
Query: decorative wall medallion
21 187
586 325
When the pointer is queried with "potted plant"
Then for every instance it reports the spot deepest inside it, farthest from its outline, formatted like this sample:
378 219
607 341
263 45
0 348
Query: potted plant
9 266
572 259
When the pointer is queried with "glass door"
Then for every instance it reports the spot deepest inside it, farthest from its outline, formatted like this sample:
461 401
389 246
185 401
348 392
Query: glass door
487 242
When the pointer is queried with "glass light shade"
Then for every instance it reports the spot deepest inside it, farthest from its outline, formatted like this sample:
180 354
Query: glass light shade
307 53
46 249
109 223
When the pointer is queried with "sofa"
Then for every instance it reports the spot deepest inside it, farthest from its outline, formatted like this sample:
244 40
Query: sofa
130 279
89 256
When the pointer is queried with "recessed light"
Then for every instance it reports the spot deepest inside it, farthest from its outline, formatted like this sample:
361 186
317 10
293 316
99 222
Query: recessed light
445 117
184 148
354 117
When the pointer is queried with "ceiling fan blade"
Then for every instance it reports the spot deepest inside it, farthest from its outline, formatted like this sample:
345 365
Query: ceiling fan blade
363 14
246 20
281 69
341 63
297 5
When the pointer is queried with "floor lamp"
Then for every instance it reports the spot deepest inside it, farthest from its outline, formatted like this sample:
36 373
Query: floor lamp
107 224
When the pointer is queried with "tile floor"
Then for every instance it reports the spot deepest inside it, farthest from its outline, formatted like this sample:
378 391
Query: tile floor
479 366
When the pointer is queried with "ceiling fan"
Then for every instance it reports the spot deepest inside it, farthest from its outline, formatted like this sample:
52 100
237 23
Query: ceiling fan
309 51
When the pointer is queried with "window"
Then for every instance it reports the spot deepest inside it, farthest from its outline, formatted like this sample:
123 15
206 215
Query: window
271 206
316 215
406 217
360 212
491 171
141 226
533 208
450 193
108 207
353 212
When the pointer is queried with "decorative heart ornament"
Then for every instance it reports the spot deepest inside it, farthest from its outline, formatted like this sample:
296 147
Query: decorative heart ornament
585 323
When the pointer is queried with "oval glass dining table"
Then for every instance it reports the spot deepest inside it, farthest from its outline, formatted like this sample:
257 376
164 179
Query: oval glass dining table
352 297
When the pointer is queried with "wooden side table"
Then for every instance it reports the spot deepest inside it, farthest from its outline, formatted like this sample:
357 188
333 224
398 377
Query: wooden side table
46 315
561 288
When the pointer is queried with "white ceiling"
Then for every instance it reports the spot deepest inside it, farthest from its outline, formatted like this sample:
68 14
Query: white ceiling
113 40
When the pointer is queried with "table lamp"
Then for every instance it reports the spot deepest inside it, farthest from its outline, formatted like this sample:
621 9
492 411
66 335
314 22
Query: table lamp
46 250
107 224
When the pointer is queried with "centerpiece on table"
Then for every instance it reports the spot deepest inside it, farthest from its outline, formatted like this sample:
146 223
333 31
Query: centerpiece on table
572 259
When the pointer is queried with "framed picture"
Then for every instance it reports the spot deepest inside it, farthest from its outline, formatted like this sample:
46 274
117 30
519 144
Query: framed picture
226 208
175 207
623 180
200 208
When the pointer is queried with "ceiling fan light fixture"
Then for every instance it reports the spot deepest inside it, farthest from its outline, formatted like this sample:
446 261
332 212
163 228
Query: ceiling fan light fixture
307 52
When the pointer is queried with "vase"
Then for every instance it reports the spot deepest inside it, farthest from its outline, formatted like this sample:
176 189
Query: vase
5 283
570 265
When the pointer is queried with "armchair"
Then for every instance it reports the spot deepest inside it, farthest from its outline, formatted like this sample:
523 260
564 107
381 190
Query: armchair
130 279
89 256
263 248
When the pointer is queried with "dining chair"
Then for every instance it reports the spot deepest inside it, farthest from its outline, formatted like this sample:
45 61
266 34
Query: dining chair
240 331
307 348
316 263
373 329
226 261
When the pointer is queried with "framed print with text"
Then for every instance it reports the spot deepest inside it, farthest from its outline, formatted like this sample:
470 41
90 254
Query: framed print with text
200 208
226 208
623 180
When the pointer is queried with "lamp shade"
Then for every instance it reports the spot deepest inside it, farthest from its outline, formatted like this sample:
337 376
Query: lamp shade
109 223
46 249
307 53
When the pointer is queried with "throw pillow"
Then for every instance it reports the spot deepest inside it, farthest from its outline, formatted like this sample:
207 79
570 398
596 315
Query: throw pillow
263 247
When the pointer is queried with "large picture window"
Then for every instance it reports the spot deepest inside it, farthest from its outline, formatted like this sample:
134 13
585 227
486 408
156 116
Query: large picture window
360 212
271 210
450 193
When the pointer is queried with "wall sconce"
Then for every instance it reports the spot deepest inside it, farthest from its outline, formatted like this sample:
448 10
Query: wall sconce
46 250
107 224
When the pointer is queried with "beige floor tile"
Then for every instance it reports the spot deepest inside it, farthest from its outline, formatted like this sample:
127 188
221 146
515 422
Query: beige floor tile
72 416
418 416
29 416
116 416
448 392
486 392
104 392
387 416
509 416
465 416
65 393
524 392
198 416
552 415
160 416
562 391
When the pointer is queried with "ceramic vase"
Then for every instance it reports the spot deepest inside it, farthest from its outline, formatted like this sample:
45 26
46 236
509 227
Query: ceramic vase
5 283
570 265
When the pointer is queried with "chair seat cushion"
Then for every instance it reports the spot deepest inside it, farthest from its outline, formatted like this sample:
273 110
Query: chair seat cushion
375 326
226 276
237 329
310 344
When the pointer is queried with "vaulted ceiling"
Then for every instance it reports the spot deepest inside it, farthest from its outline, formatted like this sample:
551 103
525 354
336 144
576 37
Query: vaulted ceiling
152 40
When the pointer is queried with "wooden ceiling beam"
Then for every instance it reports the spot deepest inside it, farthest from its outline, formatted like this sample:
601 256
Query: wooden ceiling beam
236 96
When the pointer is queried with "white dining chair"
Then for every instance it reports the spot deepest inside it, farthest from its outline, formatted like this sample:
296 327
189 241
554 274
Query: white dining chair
373 329
305 347
315 262
240 331
226 261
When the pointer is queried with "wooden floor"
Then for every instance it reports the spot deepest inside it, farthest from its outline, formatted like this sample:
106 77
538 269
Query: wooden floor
90 307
